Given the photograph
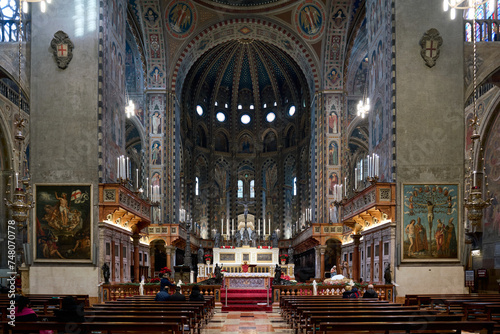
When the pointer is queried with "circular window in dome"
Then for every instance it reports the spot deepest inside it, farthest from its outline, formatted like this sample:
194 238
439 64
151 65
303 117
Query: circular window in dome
291 111
270 117
220 117
245 119
199 110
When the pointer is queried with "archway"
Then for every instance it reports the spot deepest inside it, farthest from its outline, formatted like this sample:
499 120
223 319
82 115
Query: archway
332 255
158 256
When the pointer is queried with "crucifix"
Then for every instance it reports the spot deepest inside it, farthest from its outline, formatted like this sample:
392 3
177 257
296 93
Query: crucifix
245 202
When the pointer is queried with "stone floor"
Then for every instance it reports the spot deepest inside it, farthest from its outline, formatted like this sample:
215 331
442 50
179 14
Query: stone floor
247 323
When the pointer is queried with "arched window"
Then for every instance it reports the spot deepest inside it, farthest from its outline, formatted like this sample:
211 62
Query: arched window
295 186
485 29
197 186
240 188
252 189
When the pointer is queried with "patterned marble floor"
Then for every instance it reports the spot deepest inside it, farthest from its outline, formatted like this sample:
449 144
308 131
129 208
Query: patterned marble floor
246 323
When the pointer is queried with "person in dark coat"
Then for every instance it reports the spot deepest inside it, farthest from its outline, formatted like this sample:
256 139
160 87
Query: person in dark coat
162 296
350 292
165 281
70 311
195 294
178 296
370 292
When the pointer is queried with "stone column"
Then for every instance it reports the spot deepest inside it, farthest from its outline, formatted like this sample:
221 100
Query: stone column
381 260
112 261
355 257
136 238
152 261
120 251
322 251
317 263
170 250
372 261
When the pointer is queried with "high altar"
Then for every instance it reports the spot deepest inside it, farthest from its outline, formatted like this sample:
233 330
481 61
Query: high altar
261 260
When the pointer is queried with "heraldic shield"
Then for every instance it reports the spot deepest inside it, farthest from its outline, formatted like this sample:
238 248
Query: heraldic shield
62 48
431 44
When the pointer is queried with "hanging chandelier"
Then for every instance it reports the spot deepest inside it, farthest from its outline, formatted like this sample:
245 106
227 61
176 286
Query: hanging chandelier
43 5
475 178
130 109
363 107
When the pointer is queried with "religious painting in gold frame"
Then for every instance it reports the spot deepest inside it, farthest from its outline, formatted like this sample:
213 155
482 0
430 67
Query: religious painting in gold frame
63 223
265 257
431 223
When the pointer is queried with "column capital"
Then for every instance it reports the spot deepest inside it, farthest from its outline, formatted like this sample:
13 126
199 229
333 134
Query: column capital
320 249
356 238
170 249
136 238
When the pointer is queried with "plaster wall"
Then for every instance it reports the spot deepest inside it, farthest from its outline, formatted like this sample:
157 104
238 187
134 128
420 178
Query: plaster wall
63 280
430 279
429 124
64 124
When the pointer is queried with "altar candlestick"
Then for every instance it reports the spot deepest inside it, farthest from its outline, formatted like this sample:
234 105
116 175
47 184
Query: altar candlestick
227 226
222 226
232 227
16 181
269 226
264 226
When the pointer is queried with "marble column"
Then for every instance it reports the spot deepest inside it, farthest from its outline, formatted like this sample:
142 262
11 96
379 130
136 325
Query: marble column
136 238
355 257
152 261
170 250
317 263
113 264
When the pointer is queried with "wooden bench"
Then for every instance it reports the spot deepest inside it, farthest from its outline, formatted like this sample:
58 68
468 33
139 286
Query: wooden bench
407 327
95 327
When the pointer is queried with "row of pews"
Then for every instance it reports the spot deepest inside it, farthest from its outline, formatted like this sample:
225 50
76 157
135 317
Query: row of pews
139 314
440 314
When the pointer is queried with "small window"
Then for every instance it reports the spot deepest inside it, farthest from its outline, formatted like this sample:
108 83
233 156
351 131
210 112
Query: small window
108 248
386 248
221 117
377 251
245 119
240 107
140 256
251 107
116 251
295 186
225 105
124 251
270 117
291 111
275 103
197 186
350 257
369 251
240 188
199 110
216 103
265 105
145 257
252 189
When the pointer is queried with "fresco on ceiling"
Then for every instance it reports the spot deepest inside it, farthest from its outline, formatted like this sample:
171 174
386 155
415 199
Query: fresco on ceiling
181 18
154 46
332 122
156 76
151 16
339 18
309 19
334 77
492 164
359 85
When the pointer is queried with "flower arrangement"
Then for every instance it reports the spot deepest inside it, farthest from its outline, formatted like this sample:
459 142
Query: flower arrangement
283 257
208 257
165 270
155 280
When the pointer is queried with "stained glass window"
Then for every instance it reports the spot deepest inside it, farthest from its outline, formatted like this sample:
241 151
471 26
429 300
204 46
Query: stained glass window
240 188
485 30
252 189
9 18
197 186
295 186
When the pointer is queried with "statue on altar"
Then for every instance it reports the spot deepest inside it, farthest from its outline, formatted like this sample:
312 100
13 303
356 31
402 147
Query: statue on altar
200 255
274 238
217 239
218 273
246 237
277 275
290 254
237 239
254 238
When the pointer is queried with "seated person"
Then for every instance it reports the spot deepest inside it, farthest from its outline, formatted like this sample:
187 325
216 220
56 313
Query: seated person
178 296
370 292
162 296
195 294
70 311
333 271
165 281
350 292
244 267
23 309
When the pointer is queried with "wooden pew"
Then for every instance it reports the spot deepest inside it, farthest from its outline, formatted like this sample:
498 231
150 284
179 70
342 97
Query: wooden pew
408 327
102 327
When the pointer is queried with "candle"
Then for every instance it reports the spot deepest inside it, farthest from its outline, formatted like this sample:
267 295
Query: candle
222 226
127 169
16 181
227 226
355 178
264 226
232 227
147 187
269 226
151 191
117 168
345 188
137 179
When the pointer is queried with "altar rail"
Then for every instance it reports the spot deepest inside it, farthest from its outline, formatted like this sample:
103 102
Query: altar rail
204 270
116 291
385 292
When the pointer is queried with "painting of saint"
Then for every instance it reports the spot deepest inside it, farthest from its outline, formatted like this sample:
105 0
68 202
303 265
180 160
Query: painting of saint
156 123
429 219
245 145
334 179
333 155
180 18
310 19
63 216
156 153
332 123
